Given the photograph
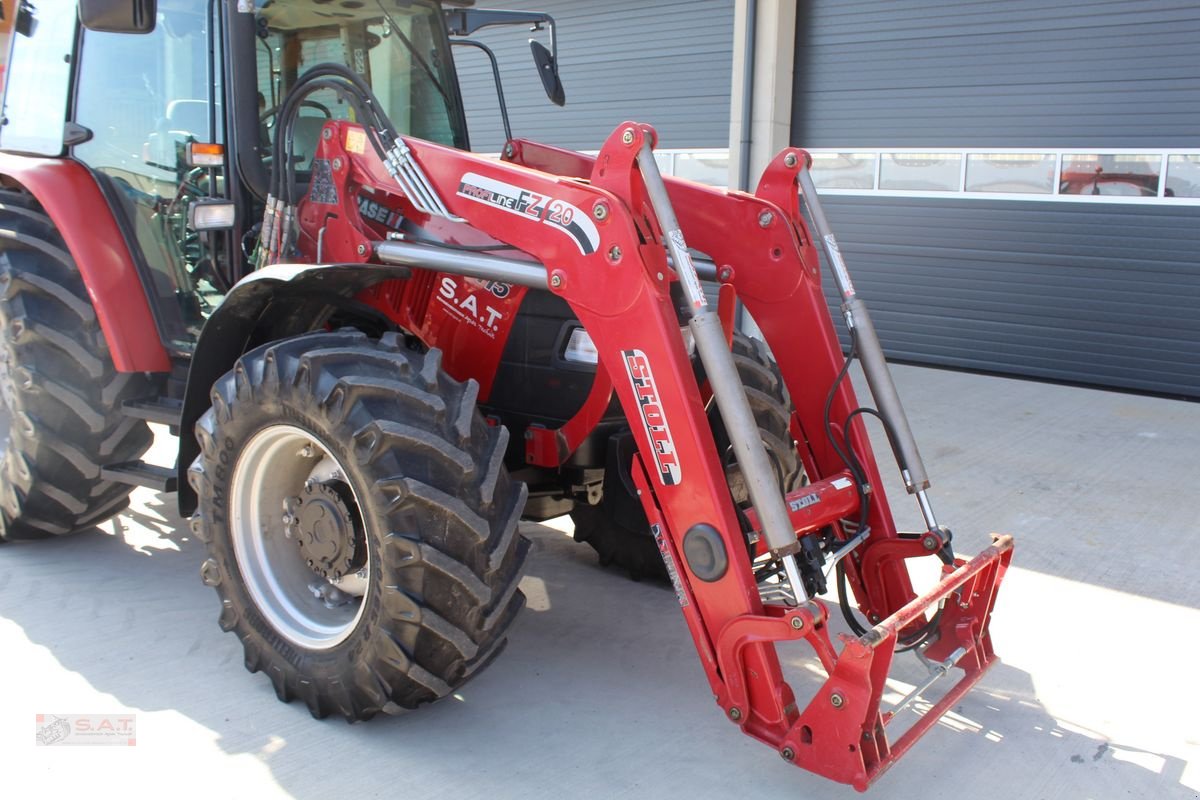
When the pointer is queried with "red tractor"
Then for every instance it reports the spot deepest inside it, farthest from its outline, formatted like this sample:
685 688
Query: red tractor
259 224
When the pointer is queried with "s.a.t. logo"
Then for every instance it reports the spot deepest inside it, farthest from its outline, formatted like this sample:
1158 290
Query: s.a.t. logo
468 306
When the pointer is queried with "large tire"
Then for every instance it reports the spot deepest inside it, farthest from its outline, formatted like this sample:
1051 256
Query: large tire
436 514
61 395
617 527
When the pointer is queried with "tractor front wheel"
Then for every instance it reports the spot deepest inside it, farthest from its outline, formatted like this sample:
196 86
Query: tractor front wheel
361 528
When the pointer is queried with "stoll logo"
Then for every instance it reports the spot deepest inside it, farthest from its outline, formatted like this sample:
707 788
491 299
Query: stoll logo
104 730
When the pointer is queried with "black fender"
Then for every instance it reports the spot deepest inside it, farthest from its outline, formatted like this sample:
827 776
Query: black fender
276 302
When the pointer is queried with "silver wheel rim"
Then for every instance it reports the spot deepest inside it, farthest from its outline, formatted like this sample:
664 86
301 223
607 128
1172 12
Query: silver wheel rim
304 607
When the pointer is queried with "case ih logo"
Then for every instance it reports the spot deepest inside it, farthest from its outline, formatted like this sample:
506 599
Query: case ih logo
557 214
653 418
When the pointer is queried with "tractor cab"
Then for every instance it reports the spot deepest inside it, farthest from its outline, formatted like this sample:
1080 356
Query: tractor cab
215 75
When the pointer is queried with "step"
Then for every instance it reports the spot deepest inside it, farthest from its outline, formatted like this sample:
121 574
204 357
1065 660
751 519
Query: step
162 410
139 473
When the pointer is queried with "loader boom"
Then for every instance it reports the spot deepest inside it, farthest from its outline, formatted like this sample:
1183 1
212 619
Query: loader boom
592 232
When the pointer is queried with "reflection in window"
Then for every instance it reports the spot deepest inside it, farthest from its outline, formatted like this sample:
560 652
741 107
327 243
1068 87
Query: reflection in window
843 170
1031 173
1183 176
922 172
1121 175
708 168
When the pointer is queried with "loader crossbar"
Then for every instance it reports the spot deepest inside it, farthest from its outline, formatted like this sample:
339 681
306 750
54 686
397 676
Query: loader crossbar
613 238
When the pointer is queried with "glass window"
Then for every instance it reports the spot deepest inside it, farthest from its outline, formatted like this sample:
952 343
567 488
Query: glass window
8 17
709 168
398 47
146 97
923 172
35 107
1030 173
1120 175
843 170
1183 176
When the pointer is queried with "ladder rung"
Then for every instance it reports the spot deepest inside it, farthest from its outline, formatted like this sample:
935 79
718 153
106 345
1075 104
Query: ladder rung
139 473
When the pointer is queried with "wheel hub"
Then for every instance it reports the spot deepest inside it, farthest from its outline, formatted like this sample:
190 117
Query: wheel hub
327 531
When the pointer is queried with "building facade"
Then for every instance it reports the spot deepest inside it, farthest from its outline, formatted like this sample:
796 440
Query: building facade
1016 185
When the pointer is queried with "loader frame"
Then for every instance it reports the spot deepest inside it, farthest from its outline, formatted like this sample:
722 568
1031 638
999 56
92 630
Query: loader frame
595 237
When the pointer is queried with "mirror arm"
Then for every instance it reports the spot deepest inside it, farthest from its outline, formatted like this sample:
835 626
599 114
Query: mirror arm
495 75
465 21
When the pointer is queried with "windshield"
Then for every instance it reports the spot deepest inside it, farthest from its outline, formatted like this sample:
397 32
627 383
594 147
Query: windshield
398 46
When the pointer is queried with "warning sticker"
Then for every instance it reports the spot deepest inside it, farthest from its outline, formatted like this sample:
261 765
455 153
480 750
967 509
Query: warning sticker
669 562
356 141
687 271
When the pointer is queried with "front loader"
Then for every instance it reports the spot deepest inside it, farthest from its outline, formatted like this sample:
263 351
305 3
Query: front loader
381 352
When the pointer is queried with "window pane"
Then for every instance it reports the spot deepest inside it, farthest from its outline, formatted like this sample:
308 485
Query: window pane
710 168
925 172
1010 172
397 49
1101 174
1183 176
843 170
146 97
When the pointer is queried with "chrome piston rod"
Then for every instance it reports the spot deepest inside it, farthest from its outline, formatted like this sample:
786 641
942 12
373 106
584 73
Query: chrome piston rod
463 262
478 265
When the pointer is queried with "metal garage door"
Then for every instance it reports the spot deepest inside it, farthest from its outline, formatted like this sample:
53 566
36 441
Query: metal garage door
1078 278
664 63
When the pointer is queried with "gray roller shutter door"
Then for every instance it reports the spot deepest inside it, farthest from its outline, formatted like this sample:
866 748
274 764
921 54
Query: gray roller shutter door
1102 294
668 64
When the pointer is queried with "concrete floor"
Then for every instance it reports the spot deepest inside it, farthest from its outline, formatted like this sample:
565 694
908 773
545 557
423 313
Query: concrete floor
600 694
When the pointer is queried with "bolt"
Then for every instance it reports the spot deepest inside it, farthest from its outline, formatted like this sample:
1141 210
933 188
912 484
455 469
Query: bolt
627 136
307 451
600 211
509 150
614 253
362 249
288 519
337 164
310 562
837 700
725 274
790 160
797 623
661 276
735 713
787 753
765 219
362 573
556 281
326 134
930 543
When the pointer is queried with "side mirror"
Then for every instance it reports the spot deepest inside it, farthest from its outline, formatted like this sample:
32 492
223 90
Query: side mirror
118 16
547 67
